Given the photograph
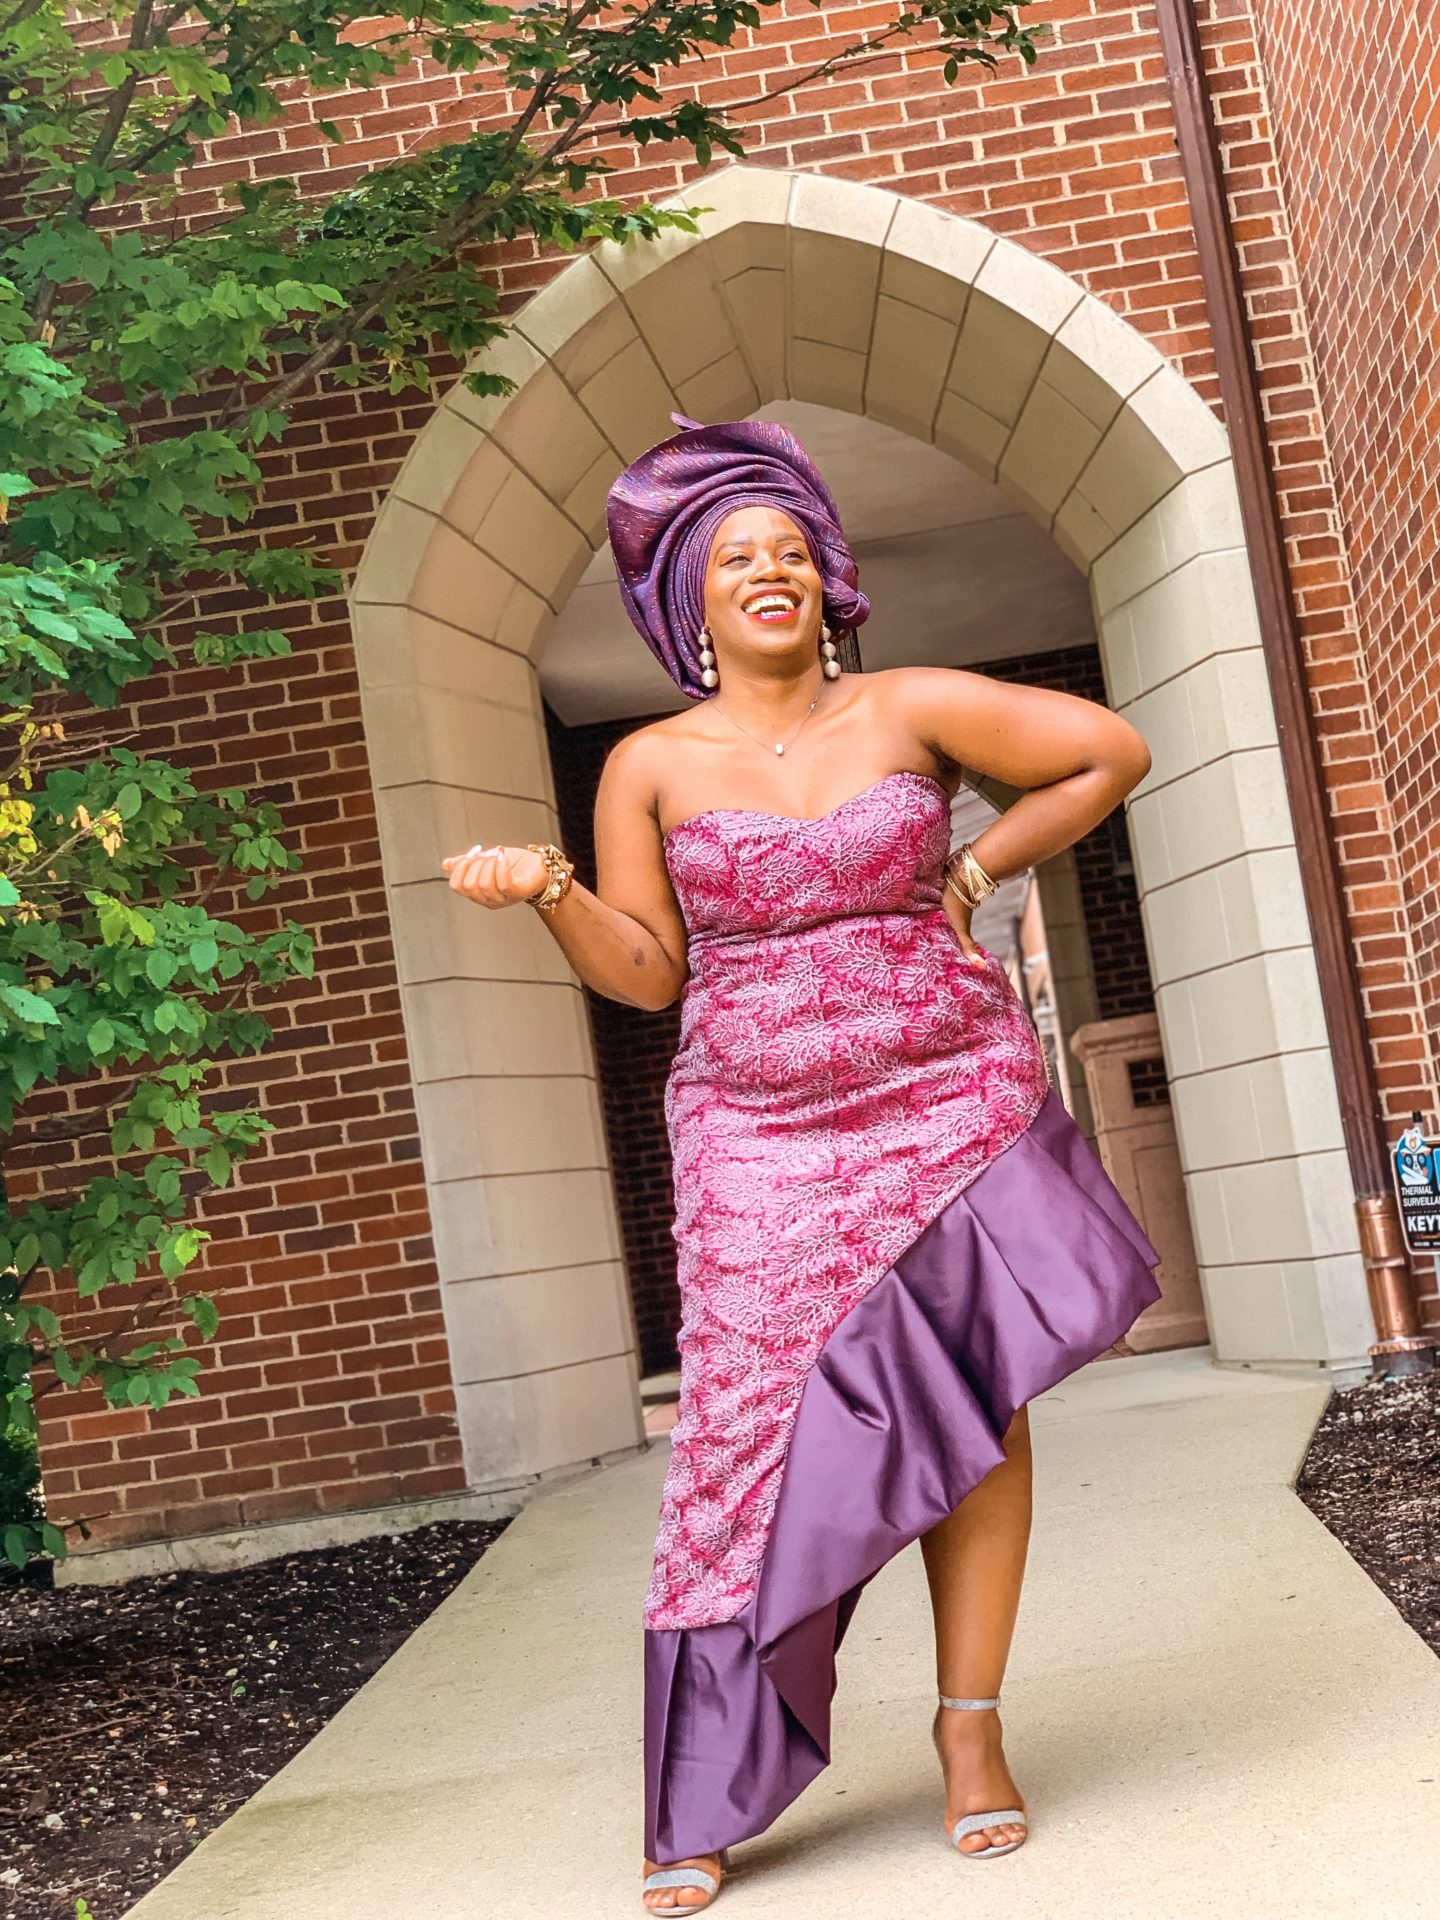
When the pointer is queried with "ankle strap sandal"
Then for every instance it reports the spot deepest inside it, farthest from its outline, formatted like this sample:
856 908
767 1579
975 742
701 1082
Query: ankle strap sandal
973 1822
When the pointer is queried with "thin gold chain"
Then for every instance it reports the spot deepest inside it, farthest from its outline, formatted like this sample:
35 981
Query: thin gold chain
777 746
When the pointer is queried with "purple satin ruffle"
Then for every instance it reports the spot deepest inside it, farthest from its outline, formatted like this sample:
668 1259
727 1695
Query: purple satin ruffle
1037 1267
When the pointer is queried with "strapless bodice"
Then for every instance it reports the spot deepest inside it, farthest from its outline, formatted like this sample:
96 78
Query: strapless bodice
738 870
821 959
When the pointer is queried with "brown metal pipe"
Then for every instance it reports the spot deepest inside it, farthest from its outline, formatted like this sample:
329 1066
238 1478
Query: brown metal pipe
1400 1345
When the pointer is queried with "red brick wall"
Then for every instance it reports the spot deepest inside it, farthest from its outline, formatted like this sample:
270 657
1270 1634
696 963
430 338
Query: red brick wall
329 1386
321 1258
1356 99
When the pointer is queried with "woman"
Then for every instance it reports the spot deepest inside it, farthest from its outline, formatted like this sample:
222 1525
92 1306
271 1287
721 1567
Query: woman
891 1234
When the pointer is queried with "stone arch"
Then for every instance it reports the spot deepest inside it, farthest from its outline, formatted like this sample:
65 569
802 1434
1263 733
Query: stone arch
809 288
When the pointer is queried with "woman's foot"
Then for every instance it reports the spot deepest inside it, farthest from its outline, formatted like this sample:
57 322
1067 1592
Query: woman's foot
977 1778
682 1899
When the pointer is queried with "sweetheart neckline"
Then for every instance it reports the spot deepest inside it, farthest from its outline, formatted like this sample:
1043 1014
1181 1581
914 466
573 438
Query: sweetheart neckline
804 819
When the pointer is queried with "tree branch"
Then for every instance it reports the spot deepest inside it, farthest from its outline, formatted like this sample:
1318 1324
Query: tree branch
135 1320
21 14
462 226
111 123
861 53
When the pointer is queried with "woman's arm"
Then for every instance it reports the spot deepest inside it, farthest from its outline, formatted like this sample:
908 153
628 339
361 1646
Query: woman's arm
1075 759
627 939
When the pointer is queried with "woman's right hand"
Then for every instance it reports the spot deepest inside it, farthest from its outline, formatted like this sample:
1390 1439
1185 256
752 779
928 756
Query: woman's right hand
496 876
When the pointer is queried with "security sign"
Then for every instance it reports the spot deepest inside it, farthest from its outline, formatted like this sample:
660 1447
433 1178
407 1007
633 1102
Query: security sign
1416 1167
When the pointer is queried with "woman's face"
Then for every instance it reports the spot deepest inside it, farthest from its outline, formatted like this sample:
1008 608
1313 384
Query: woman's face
762 590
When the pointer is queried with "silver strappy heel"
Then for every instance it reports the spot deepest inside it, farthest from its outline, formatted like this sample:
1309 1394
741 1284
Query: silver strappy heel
686 1877
973 1822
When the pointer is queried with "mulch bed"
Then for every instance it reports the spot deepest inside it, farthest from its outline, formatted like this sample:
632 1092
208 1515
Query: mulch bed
133 1719
1372 1475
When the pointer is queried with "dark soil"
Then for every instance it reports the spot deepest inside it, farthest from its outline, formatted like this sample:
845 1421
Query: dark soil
133 1719
1372 1474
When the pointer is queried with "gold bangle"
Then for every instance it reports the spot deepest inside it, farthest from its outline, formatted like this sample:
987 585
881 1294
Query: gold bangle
959 892
559 872
975 883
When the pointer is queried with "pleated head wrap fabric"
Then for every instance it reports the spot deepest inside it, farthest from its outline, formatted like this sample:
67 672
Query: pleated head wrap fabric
662 513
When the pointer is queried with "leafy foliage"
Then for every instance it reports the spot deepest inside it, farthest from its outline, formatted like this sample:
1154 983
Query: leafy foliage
150 349
19 1479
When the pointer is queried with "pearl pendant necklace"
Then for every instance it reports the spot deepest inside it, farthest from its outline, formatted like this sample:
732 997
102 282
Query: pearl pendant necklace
779 745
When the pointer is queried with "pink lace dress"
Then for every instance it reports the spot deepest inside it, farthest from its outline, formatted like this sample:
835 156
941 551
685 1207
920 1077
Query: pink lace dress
846 1078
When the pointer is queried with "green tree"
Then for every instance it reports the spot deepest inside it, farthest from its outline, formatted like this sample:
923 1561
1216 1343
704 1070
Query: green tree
148 355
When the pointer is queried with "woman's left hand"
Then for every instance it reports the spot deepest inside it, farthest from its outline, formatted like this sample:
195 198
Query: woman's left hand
960 916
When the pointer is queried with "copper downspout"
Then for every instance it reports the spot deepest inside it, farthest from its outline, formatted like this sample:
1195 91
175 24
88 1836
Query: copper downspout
1400 1347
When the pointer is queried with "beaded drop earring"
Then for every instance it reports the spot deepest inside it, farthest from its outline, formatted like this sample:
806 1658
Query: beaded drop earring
828 655
708 676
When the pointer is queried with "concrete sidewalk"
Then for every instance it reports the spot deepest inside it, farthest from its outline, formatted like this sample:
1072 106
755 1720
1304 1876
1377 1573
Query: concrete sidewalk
1209 1707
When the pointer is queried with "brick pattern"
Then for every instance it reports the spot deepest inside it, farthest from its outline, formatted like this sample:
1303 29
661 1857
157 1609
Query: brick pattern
1357 140
321 1256
329 1386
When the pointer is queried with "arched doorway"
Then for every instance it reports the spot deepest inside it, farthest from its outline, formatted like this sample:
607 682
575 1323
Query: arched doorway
848 297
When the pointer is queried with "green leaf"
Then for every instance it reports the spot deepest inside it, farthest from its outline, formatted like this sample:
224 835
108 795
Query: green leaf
46 1322
29 1006
128 800
101 1037
92 1276
205 1314
71 1371
53 625
20 1543
177 1250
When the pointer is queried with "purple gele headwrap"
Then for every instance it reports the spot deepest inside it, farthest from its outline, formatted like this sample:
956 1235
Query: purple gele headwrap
662 514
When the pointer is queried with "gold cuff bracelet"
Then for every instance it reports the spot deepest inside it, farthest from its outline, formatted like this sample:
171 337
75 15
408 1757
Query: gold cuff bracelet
974 882
559 872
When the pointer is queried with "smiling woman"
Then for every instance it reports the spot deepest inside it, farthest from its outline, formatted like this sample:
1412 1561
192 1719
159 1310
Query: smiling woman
765 546
891 1234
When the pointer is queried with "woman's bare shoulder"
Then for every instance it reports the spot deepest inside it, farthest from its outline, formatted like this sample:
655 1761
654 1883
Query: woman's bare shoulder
635 766
908 699
901 686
